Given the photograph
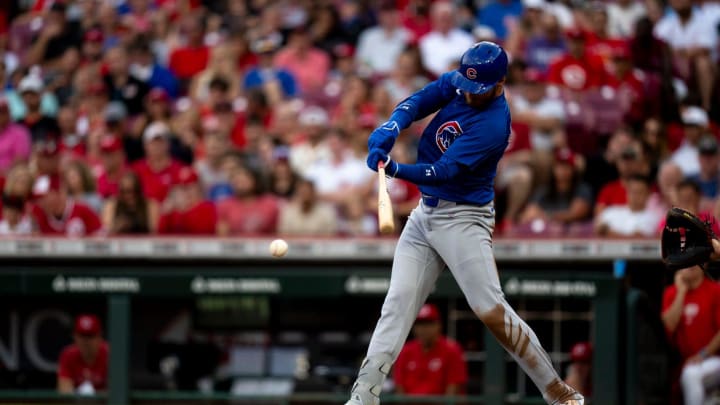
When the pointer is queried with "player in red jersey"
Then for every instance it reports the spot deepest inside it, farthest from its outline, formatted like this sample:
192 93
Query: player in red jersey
431 364
83 365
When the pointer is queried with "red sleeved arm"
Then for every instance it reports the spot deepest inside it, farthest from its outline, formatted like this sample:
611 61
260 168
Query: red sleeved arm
399 370
457 368
63 369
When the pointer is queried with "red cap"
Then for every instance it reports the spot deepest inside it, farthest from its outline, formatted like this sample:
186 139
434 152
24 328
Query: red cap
110 143
581 351
565 155
534 75
575 33
428 312
343 50
44 185
94 35
186 176
158 94
88 325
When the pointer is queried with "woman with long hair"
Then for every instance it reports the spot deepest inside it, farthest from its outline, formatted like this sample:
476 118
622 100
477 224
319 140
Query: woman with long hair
130 212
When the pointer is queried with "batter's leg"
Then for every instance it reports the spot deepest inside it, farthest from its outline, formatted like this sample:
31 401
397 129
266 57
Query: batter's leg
416 267
463 240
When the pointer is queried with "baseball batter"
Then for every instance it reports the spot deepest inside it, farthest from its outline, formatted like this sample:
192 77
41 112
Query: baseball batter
453 224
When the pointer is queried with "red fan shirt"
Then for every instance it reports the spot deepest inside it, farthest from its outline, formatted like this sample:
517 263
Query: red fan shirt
77 220
577 74
418 372
700 319
156 184
187 62
74 367
198 220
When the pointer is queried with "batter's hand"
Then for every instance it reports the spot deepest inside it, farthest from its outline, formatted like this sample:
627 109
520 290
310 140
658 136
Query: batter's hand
383 137
378 155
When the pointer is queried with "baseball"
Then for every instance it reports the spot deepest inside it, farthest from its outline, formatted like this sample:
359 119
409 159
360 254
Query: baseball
278 248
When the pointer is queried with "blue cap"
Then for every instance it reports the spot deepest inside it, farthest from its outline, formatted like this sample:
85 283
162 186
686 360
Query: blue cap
481 68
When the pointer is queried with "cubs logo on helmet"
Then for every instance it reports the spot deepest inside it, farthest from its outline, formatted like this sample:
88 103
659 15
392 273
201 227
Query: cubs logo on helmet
446 134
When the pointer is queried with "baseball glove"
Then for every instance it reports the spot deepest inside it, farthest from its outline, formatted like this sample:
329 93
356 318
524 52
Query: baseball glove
686 240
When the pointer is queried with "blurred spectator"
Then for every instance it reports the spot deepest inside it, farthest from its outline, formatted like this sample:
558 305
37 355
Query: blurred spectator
83 365
406 76
689 198
41 126
695 122
38 98
545 46
113 166
158 169
708 177
309 65
283 179
192 57
578 69
648 52
156 108
356 219
499 14
144 67
694 43
222 65
15 222
91 51
633 218
341 175
599 41
601 168
121 84
669 176
566 199
80 185
430 364
304 215
249 211
186 211
446 43
627 164
277 83
209 168
56 36
14 139
514 181
622 16
130 212
639 94
72 144
579 373
416 18
310 147
379 47
691 317
19 182
46 158
545 116
57 214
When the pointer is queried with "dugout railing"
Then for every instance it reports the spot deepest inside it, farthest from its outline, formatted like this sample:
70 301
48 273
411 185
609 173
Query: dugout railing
582 271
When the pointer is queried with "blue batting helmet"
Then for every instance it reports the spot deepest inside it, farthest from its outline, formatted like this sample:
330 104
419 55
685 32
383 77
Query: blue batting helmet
481 67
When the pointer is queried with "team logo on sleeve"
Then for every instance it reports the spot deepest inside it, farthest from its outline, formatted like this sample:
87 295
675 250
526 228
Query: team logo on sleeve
446 134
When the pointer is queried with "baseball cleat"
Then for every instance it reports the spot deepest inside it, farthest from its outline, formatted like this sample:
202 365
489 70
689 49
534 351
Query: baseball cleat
580 401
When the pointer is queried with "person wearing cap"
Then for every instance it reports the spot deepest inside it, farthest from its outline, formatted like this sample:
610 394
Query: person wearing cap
92 46
83 365
579 372
578 69
446 43
708 178
55 213
311 146
144 67
309 65
41 125
546 117
14 139
633 219
158 170
695 125
430 364
46 157
627 164
123 86
599 41
72 144
277 83
642 94
380 46
565 199
453 224
112 157
15 221
186 211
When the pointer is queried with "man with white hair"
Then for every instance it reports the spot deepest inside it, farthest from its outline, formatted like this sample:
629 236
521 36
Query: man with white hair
445 44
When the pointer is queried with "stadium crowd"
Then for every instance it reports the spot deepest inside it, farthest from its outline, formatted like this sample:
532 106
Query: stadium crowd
250 117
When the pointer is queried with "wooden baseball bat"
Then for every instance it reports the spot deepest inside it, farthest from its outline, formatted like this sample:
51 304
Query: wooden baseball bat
386 219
